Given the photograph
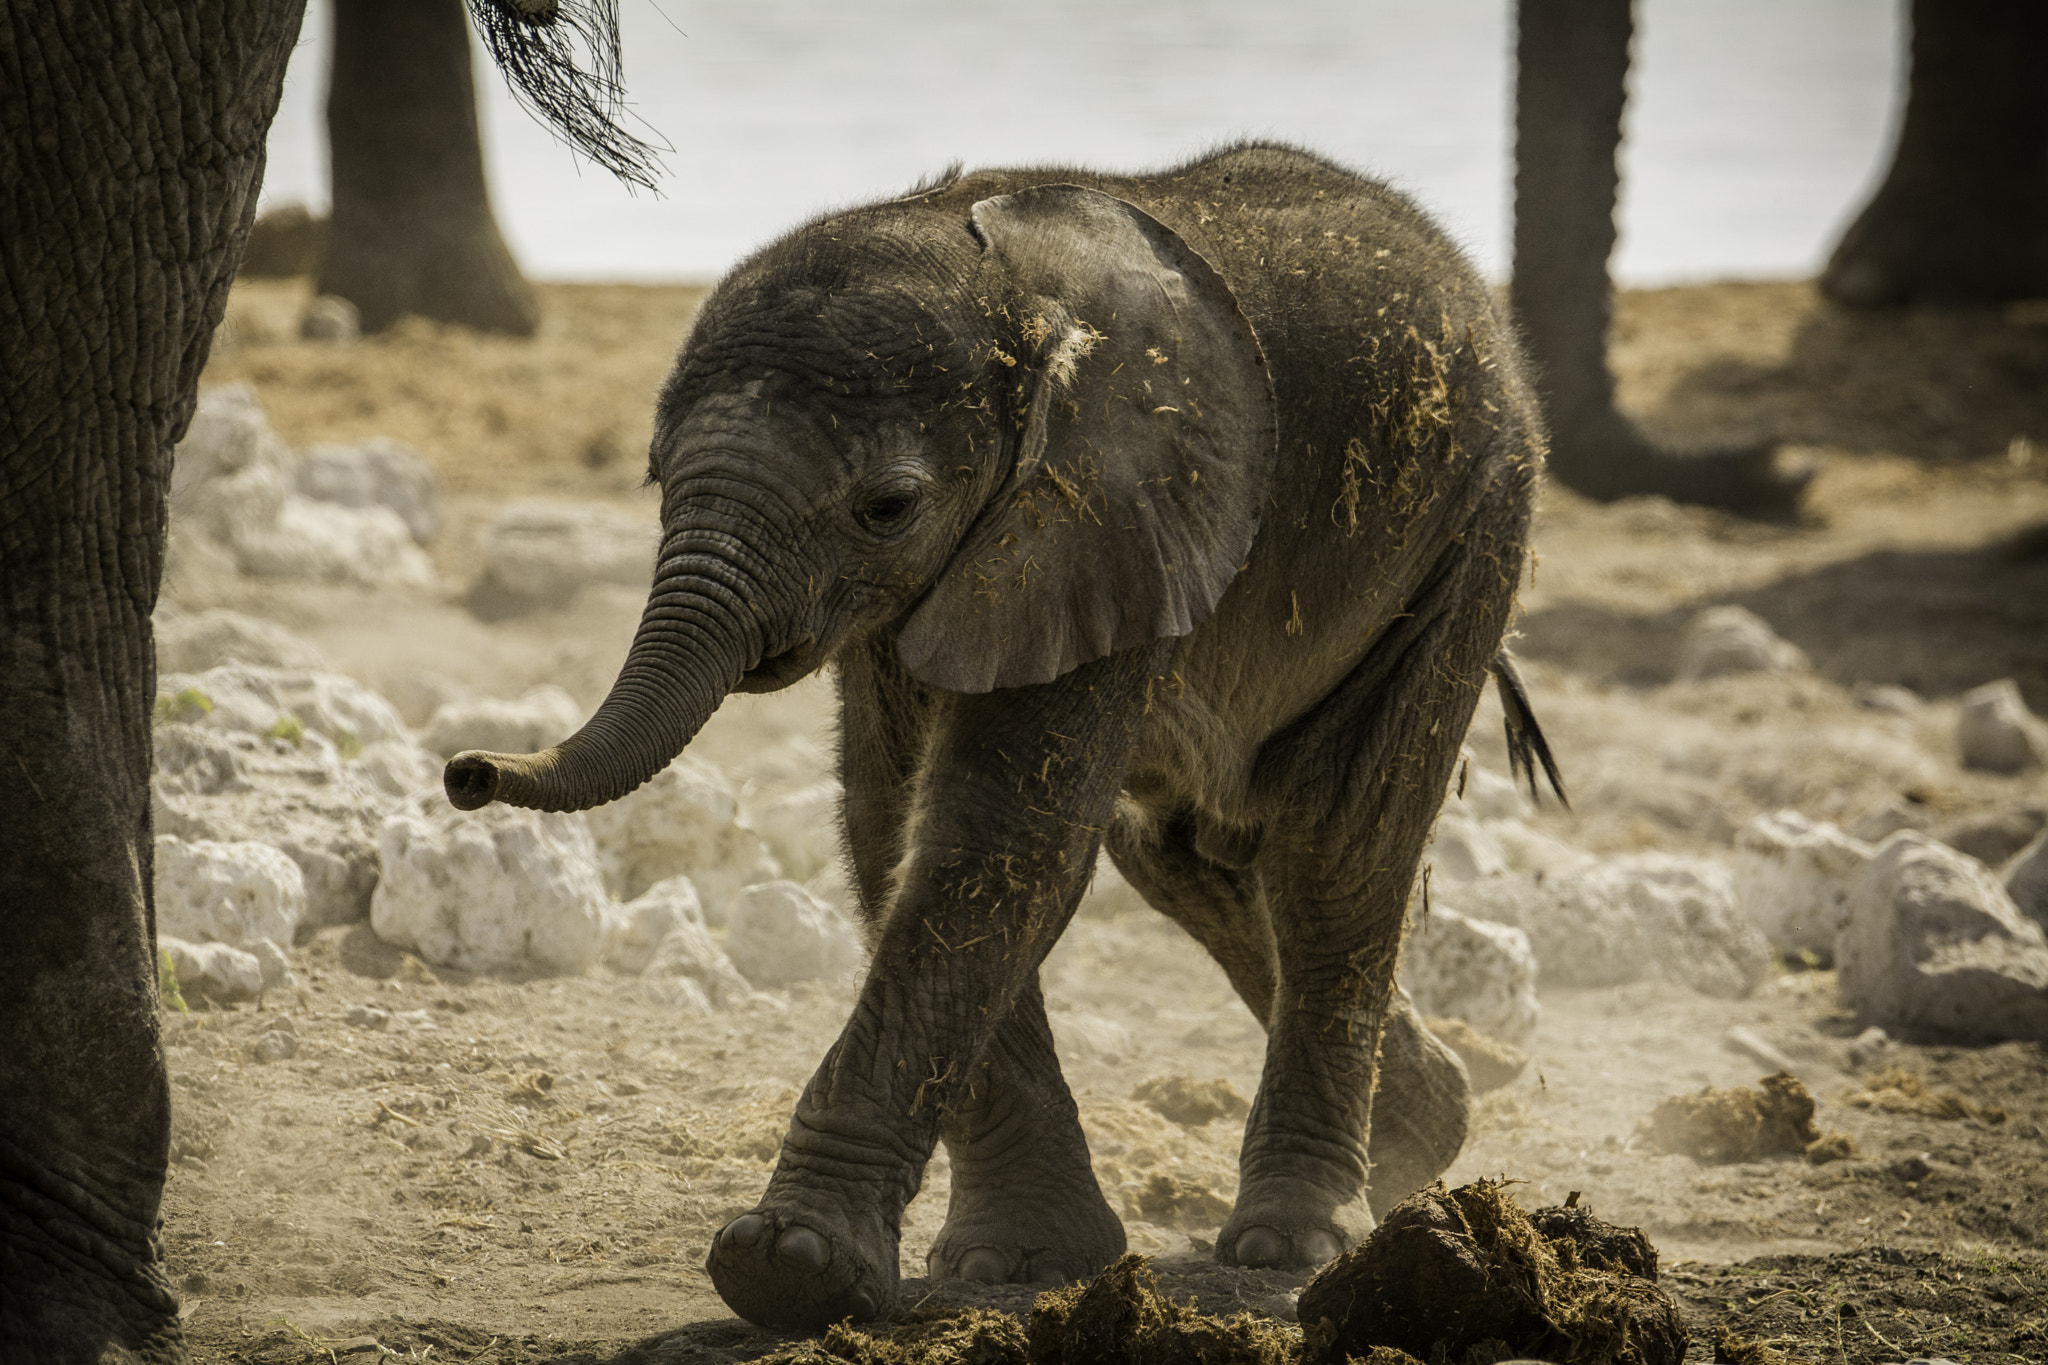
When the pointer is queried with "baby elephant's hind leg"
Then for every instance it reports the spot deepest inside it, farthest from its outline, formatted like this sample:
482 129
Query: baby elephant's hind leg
1420 1108
1363 776
1422 1099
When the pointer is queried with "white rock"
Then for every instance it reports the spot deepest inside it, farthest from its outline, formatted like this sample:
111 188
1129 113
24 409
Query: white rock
213 971
779 933
1639 916
791 762
1933 941
831 885
379 472
688 955
232 893
228 434
2025 875
1888 698
495 890
1869 1047
419 695
271 959
1475 970
1732 639
1529 850
206 639
540 552
801 828
538 720
1464 851
398 767
1793 876
255 700
332 319
1488 795
223 784
274 1045
682 823
1996 732
277 533
644 923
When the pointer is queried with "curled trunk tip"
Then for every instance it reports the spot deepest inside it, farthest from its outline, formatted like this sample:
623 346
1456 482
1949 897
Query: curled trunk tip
473 777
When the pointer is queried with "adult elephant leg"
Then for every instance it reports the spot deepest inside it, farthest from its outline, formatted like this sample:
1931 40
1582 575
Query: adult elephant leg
1962 216
130 151
1354 788
1571 71
1422 1097
1011 803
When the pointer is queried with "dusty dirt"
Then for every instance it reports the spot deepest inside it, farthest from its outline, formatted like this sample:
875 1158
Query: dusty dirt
531 1170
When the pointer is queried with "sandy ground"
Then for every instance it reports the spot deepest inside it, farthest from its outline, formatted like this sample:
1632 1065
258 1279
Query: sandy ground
531 1171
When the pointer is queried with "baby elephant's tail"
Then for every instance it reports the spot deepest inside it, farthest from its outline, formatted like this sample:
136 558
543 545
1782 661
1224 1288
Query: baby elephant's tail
1526 745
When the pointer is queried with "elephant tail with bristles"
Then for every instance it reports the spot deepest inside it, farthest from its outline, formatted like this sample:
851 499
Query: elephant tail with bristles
1526 745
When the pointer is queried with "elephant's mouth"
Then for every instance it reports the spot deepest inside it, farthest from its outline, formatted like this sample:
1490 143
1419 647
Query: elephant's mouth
778 671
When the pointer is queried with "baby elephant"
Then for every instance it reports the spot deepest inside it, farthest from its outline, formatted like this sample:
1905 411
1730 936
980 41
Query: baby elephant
1179 514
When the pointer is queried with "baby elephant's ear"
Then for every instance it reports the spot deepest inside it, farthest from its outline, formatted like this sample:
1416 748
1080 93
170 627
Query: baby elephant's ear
1147 447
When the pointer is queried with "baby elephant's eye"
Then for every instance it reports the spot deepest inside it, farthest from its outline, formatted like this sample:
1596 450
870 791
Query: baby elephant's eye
884 511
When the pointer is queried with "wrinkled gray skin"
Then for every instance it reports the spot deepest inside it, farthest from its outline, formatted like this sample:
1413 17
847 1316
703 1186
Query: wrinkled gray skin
131 149
1179 514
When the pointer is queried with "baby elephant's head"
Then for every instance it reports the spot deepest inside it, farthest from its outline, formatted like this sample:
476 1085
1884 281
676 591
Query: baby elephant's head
1010 433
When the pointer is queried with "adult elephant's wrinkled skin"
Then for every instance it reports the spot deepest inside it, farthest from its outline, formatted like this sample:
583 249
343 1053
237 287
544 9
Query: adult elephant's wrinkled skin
131 150
1176 514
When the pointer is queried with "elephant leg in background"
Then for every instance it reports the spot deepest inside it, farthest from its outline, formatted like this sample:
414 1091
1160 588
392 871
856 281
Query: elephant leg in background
1571 61
1025 1206
130 151
1962 216
1355 786
1423 1098
1011 805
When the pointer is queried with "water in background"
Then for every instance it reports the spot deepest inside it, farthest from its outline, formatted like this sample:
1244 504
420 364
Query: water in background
1755 127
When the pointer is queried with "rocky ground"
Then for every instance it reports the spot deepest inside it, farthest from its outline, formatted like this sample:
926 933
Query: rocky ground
507 1161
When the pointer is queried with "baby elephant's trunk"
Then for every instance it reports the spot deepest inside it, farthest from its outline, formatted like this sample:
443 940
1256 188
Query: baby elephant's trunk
696 640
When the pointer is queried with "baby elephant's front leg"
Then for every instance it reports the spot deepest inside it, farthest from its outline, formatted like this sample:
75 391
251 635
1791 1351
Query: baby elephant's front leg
1011 807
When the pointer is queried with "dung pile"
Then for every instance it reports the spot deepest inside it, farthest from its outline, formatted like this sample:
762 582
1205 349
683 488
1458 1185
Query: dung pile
967 1336
1773 1118
1465 1275
1121 1318
1899 1091
1118 1318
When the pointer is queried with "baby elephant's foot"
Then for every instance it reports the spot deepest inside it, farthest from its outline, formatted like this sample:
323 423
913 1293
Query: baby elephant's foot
1279 1238
1025 1241
799 1271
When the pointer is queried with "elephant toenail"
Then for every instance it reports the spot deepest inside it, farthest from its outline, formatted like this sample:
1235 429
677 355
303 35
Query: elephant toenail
861 1306
743 1233
1050 1274
1261 1248
1318 1247
985 1264
805 1248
